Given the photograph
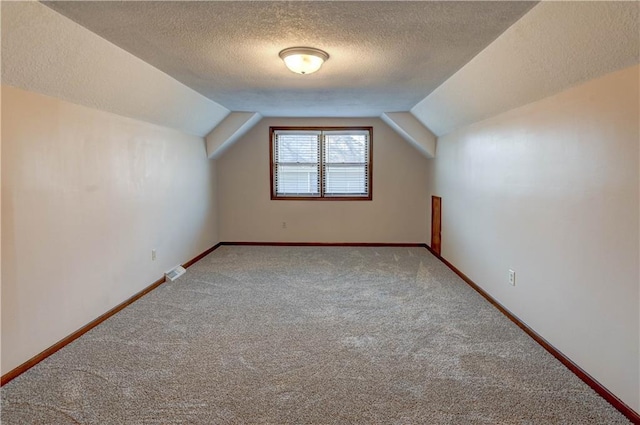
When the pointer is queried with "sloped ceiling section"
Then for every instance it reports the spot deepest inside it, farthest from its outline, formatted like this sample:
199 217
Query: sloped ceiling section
554 46
233 127
384 55
44 52
412 130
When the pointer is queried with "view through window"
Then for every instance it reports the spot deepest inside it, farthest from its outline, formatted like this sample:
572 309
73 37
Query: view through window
321 163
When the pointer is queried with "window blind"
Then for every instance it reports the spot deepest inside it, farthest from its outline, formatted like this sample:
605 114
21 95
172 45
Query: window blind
346 163
317 163
297 163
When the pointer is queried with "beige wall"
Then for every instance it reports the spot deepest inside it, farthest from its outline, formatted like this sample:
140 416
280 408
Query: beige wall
551 191
86 195
397 213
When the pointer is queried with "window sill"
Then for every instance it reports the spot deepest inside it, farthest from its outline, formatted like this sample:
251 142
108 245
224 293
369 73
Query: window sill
319 198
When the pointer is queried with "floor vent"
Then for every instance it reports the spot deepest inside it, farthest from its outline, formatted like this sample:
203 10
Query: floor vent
175 273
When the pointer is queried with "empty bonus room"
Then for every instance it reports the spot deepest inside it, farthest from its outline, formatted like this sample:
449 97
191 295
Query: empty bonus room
386 212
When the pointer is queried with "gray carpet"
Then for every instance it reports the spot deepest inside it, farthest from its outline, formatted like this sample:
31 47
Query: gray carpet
306 335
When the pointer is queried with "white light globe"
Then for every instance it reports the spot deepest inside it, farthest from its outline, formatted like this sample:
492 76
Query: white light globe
303 60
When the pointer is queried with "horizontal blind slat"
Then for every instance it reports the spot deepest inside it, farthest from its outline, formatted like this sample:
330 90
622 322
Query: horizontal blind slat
296 171
346 160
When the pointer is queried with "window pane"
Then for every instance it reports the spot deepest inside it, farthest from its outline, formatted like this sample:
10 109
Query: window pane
341 148
314 162
343 180
297 180
297 148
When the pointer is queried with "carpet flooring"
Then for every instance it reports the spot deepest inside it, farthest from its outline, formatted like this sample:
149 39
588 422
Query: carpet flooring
306 335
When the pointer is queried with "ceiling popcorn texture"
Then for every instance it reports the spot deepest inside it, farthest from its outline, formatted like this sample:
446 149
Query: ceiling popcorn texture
186 64
553 47
384 56
44 52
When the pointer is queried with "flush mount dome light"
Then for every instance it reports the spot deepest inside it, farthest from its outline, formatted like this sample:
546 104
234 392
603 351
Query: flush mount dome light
303 60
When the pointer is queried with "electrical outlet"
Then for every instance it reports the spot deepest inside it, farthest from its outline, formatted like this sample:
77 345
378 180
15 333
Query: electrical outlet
512 277
284 224
153 255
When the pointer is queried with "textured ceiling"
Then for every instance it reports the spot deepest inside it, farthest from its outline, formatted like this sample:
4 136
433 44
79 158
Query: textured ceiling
554 46
385 56
44 52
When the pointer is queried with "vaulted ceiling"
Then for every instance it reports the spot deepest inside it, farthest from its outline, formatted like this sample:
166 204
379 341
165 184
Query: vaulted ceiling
212 67
384 56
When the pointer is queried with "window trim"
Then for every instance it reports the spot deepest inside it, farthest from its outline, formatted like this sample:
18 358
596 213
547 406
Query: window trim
321 197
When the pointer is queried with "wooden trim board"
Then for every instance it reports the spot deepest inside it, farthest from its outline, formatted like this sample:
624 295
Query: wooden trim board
201 256
362 244
321 165
621 406
14 373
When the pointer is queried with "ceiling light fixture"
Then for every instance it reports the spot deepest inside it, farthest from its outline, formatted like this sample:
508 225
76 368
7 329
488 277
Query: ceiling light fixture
303 60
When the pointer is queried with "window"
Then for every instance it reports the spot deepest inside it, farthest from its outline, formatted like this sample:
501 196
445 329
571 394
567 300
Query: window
314 163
